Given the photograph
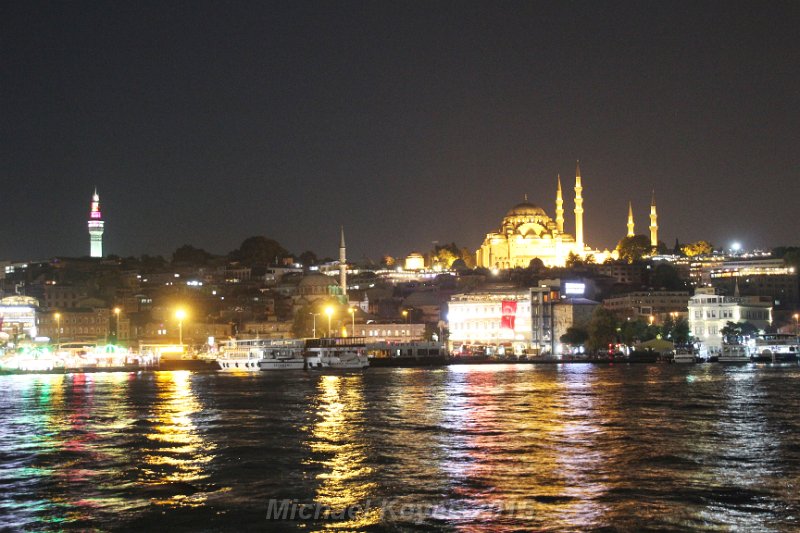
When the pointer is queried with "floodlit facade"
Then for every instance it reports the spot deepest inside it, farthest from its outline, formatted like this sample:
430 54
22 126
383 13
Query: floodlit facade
485 322
527 233
710 312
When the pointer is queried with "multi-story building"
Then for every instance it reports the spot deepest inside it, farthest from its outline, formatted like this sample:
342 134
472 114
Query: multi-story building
76 324
644 304
756 277
554 309
623 272
494 321
709 313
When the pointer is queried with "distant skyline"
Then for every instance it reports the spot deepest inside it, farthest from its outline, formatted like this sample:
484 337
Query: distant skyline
205 123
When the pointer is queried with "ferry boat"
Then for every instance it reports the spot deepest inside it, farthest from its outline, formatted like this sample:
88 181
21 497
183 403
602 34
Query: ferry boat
407 354
336 353
241 355
288 354
776 348
734 354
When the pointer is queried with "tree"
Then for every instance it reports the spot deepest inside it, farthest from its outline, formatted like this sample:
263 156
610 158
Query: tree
697 248
258 250
188 254
666 276
633 331
574 336
602 329
680 331
632 249
573 260
739 330
308 258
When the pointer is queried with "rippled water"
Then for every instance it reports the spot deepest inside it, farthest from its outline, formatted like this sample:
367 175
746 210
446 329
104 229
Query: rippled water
473 448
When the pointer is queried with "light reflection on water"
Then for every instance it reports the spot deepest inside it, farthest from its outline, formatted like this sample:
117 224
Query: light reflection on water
573 447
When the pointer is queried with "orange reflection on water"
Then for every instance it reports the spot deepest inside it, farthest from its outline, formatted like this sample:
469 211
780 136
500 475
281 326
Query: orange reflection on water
336 439
175 459
505 455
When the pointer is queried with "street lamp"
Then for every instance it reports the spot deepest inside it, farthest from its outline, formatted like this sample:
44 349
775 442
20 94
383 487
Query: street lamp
58 328
652 318
352 311
405 315
180 314
796 324
117 311
315 315
329 312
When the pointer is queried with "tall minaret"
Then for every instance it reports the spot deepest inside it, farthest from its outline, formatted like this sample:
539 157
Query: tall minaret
559 208
578 208
343 265
653 222
96 224
630 220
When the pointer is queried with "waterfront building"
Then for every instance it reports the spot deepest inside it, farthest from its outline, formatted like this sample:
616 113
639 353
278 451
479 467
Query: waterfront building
18 316
527 233
557 306
76 324
644 304
96 227
709 312
494 321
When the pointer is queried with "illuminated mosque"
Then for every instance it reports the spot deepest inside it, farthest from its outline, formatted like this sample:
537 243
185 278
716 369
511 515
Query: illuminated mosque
527 233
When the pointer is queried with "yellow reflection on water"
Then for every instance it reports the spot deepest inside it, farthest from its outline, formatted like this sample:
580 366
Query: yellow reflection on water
177 456
337 440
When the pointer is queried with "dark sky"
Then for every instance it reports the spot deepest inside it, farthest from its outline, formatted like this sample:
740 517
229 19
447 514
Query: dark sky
407 122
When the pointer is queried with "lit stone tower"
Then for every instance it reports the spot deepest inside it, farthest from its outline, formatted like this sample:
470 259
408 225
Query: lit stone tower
343 265
653 222
578 209
559 208
96 224
630 220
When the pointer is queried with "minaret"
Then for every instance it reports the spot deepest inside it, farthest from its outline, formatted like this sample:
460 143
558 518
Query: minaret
96 224
630 220
559 207
578 208
343 265
653 222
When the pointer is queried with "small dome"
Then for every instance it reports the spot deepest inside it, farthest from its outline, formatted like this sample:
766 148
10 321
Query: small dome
525 209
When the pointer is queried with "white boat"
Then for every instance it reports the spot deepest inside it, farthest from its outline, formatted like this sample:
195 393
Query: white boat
339 353
777 347
684 356
734 354
288 354
241 355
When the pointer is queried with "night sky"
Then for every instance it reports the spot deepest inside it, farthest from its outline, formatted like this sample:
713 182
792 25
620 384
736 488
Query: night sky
204 123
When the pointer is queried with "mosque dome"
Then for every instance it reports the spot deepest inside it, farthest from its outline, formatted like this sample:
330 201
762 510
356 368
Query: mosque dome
317 280
525 209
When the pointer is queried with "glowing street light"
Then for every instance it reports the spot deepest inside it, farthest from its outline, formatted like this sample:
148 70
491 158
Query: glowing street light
405 315
652 319
736 246
796 323
314 331
180 314
329 312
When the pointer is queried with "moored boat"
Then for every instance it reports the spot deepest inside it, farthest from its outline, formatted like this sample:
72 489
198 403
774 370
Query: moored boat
734 354
336 353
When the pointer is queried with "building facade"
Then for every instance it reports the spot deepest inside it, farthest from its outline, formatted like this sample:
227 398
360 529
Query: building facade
483 321
710 312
